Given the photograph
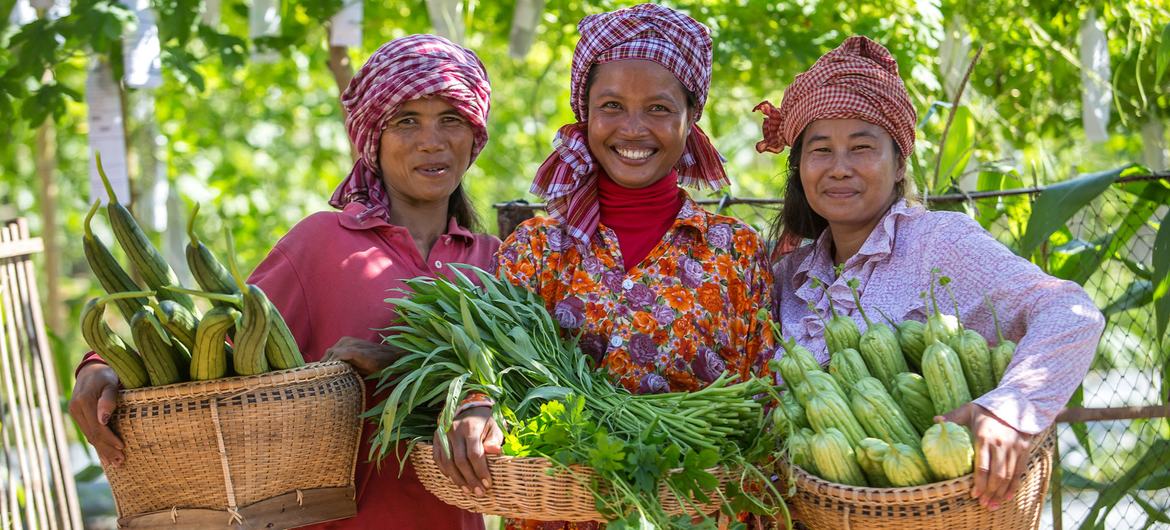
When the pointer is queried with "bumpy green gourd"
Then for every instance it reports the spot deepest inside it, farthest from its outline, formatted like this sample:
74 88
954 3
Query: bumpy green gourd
879 415
793 410
840 331
870 454
912 395
817 381
209 358
939 326
827 410
847 367
796 361
177 320
108 271
913 341
975 357
1001 354
835 459
905 466
800 450
944 378
878 345
948 450
821 381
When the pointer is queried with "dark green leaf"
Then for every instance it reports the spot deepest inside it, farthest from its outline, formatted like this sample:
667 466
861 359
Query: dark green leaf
1155 459
1163 55
90 473
1138 294
1161 278
1080 430
1059 202
1156 515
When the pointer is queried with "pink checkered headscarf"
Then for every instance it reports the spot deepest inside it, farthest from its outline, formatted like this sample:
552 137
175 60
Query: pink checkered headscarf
858 80
401 70
568 177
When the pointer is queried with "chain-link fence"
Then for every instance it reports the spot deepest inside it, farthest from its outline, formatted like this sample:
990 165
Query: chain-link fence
1114 440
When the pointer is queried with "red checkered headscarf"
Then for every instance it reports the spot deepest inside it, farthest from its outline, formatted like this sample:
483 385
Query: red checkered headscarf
568 177
401 70
858 80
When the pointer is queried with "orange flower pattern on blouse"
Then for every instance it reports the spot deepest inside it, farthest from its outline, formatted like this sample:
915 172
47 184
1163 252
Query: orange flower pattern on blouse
673 323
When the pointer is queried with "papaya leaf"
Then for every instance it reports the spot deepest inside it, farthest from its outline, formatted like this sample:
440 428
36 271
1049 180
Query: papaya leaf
1155 514
1059 202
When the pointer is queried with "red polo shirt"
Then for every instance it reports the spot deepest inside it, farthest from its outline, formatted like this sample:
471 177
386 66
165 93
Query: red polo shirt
329 277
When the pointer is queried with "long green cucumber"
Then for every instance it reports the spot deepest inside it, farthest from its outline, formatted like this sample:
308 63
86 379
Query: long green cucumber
177 320
108 271
125 362
156 349
209 358
209 273
144 258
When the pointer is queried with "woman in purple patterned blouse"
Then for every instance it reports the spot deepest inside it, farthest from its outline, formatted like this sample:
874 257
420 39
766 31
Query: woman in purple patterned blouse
850 126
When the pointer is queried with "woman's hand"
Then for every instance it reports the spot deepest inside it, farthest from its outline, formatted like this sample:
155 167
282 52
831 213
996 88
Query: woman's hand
95 396
366 357
1001 454
474 434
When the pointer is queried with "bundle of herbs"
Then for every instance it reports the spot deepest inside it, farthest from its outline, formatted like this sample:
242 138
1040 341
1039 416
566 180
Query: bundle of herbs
498 339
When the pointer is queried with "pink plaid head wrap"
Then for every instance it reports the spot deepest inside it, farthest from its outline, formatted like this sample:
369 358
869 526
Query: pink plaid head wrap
401 70
858 80
568 177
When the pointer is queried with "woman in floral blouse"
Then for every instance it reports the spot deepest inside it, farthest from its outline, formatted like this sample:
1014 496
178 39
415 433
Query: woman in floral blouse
662 292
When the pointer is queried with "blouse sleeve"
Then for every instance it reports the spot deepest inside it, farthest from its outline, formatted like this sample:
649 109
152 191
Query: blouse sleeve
519 258
1054 322
758 344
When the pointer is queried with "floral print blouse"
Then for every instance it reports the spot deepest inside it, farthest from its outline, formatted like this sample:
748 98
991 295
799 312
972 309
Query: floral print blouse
673 323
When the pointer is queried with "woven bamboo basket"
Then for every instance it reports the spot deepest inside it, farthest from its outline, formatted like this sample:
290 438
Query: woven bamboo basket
273 450
524 488
823 505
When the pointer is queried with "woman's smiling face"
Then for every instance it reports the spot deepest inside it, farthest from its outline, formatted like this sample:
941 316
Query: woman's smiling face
848 168
638 121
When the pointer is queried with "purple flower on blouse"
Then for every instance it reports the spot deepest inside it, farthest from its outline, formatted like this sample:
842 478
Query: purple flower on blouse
643 351
612 281
640 296
511 254
593 345
707 364
570 312
653 384
523 235
691 273
592 265
720 236
664 315
721 338
557 240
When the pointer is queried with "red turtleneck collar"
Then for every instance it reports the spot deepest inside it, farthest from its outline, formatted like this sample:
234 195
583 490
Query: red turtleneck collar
640 217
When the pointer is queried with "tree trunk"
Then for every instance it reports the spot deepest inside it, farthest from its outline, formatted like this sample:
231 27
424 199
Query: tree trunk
46 168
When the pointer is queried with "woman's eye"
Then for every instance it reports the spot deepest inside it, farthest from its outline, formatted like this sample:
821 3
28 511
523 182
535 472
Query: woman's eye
404 122
861 147
610 105
453 120
659 108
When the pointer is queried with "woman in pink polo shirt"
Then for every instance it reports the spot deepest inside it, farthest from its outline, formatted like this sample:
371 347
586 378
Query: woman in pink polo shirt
416 112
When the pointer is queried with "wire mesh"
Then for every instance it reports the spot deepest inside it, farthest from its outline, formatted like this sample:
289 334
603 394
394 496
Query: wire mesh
1120 224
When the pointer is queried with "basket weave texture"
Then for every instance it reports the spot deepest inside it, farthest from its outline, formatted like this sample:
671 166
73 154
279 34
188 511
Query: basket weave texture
228 443
523 488
823 505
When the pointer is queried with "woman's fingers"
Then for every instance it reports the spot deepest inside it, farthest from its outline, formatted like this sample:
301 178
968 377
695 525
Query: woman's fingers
461 452
983 466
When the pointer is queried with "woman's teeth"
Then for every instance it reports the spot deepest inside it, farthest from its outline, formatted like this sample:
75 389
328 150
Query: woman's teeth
634 154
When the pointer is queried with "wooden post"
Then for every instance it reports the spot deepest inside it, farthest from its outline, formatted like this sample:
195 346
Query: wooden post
46 167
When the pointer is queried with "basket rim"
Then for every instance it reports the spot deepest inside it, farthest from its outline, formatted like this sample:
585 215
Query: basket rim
927 492
504 460
233 385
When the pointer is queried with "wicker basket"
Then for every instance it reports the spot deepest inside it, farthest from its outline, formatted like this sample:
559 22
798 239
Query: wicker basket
823 505
277 448
523 488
